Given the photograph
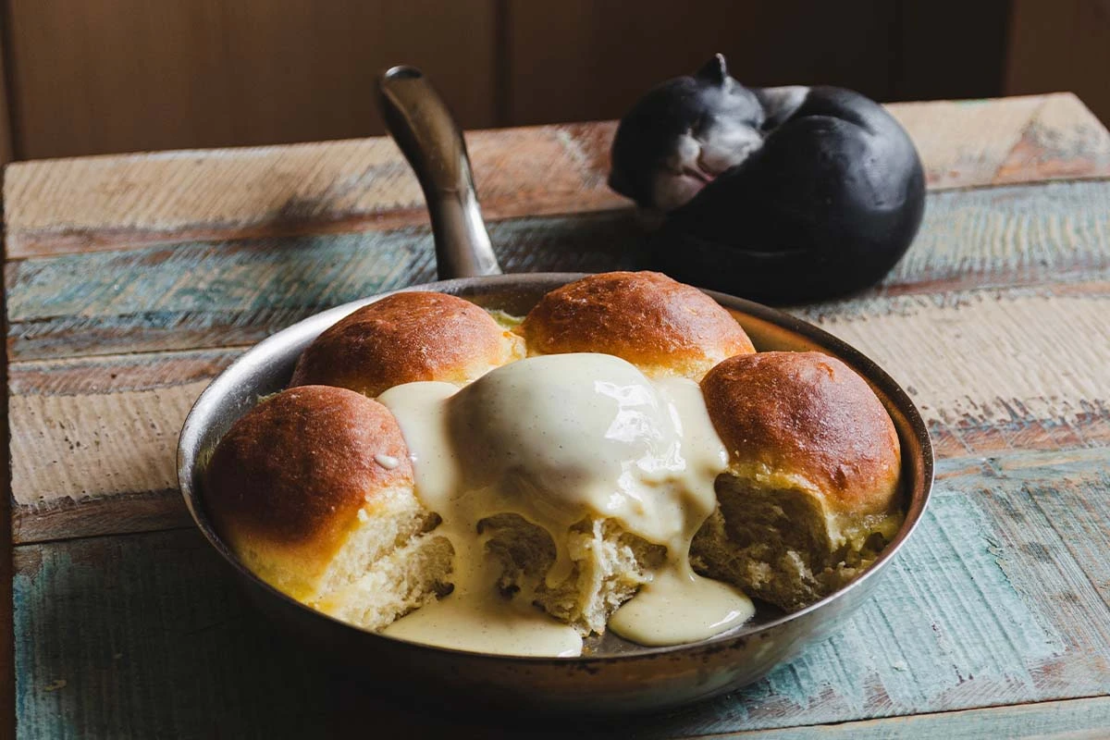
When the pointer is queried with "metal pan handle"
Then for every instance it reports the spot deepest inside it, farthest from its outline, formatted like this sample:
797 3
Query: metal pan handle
423 128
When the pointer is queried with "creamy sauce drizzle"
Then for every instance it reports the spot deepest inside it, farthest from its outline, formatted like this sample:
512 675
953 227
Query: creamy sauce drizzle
556 439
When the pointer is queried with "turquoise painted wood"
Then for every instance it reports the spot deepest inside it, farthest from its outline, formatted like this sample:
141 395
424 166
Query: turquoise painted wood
1075 719
1001 599
209 294
225 293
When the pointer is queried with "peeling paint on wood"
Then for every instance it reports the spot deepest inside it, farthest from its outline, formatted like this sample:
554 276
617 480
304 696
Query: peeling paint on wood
67 447
985 356
1078 719
219 294
201 294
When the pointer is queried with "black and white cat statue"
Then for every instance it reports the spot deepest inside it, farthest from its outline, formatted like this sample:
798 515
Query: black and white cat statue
781 194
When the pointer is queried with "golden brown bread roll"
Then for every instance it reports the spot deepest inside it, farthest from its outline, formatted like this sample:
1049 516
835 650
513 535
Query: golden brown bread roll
403 338
313 491
811 494
662 326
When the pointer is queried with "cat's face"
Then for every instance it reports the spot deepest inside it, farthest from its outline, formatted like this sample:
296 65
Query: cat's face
683 134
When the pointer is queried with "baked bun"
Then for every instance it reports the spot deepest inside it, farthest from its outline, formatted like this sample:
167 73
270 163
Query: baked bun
811 495
404 338
313 491
661 326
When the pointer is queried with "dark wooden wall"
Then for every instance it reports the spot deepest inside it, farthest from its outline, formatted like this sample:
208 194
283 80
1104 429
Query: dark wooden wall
99 76
581 59
1061 45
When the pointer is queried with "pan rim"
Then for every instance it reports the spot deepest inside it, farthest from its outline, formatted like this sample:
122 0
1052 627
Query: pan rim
200 416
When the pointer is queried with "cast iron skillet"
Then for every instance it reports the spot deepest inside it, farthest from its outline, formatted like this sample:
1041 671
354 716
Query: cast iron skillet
614 676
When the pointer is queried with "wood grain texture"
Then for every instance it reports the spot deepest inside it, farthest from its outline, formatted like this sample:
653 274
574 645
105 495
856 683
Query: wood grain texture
992 603
117 202
127 75
109 202
203 294
1005 141
69 448
1078 719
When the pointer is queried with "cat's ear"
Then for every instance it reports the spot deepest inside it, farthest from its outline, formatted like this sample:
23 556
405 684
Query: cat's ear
714 71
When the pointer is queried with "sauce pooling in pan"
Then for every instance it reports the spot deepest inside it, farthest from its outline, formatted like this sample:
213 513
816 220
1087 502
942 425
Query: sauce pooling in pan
556 440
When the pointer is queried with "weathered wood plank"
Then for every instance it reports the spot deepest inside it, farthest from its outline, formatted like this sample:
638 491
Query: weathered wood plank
116 374
76 469
103 202
1077 719
7 536
205 294
992 371
71 205
67 451
82 467
65 447
1006 354
1050 233
999 142
86 474
990 604
215 294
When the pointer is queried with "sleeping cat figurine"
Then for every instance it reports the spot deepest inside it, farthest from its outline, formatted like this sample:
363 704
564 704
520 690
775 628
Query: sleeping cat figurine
781 194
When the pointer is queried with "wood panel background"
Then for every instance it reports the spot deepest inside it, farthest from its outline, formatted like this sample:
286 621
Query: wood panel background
584 60
5 114
124 75
1058 44
102 76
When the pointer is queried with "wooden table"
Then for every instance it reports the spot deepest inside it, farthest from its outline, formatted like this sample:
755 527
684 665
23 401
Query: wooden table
132 280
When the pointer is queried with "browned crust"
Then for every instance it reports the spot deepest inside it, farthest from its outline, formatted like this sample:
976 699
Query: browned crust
404 338
807 414
296 469
643 317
